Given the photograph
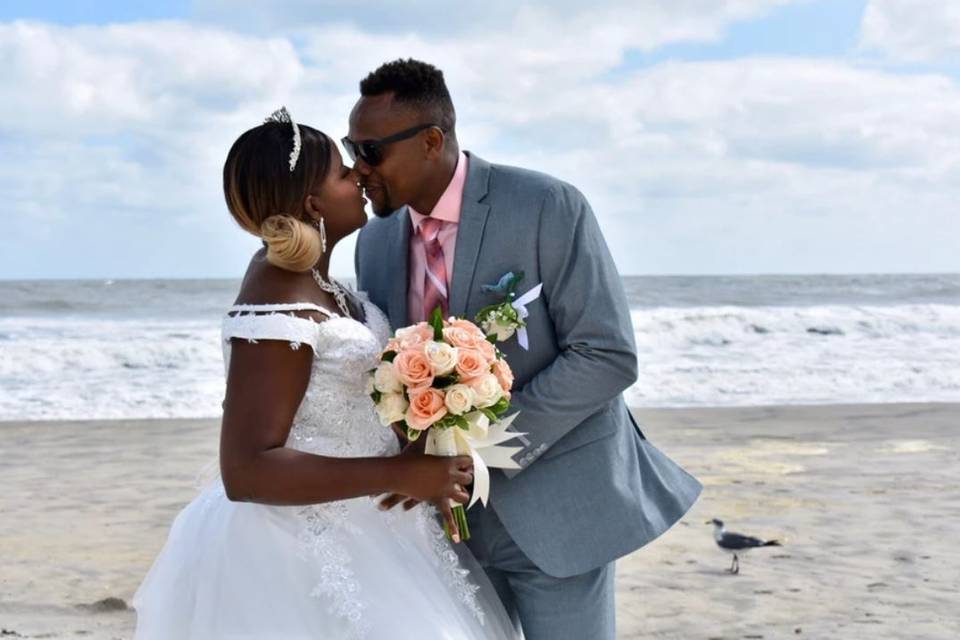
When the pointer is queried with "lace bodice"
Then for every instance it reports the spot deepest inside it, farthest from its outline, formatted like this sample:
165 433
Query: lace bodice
336 416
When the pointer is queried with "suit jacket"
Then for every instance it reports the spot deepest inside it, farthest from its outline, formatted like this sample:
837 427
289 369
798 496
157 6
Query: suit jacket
591 487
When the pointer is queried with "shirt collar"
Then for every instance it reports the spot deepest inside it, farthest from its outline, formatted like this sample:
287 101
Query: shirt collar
448 206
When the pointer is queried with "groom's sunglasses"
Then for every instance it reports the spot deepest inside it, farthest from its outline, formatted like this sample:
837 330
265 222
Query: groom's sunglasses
371 151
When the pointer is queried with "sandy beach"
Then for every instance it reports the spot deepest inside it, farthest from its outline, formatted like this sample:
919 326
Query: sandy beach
864 497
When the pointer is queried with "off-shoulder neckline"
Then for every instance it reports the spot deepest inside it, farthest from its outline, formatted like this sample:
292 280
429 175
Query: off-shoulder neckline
286 306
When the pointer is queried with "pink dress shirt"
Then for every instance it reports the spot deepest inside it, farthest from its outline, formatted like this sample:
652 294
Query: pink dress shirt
447 209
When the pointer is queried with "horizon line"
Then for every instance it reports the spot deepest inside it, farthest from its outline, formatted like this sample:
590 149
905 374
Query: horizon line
622 275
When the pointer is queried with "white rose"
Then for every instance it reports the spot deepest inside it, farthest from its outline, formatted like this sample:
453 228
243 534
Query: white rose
385 379
442 357
503 330
486 391
370 387
391 408
459 399
479 424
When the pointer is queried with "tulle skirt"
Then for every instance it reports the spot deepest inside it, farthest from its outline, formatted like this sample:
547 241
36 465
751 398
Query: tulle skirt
338 570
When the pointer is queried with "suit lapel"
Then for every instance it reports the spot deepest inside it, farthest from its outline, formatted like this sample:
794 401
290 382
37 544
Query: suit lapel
473 219
397 260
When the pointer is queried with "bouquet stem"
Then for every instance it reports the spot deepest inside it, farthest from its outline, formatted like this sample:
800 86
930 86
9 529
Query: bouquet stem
460 517
446 445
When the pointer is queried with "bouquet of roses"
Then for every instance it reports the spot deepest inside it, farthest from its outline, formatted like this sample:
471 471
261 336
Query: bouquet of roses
447 379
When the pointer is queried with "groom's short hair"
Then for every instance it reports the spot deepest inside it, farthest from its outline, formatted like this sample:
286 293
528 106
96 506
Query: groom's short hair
416 84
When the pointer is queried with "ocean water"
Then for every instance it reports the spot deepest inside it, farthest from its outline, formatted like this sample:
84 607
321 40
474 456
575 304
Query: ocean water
151 349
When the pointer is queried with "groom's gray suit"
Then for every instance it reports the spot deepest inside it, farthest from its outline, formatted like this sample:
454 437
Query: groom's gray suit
591 488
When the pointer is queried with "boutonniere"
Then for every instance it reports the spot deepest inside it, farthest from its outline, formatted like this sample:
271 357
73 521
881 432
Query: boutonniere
501 320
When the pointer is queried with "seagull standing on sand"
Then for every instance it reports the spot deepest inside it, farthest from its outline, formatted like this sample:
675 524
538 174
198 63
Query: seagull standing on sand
736 543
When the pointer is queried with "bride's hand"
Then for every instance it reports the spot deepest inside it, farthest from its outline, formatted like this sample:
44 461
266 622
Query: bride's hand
415 448
435 479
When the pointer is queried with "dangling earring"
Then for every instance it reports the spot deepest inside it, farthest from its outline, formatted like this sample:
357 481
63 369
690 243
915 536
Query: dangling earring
322 228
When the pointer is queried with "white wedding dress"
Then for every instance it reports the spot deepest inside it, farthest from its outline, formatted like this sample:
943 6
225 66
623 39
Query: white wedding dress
345 569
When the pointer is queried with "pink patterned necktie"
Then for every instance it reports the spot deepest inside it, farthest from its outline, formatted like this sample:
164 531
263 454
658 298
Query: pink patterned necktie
435 277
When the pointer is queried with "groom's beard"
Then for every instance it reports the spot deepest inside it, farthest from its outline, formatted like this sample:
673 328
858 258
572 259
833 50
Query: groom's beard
383 213
380 203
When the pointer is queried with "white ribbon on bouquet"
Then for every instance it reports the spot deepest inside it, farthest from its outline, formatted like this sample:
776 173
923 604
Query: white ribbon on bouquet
480 444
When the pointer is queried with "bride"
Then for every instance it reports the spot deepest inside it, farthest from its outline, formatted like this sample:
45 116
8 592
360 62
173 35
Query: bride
288 541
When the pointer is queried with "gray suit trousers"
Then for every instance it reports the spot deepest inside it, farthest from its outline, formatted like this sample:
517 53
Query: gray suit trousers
579 607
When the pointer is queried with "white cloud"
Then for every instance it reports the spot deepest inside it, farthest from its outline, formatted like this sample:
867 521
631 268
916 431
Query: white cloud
816 165
913 30
621 23
135 76
114 135
749 165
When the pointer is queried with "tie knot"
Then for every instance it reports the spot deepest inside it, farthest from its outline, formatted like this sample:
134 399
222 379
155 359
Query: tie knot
430 228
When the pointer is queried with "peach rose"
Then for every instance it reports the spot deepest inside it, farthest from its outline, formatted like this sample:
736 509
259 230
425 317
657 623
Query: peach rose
466 325
392 345
488 350
414 335
413 368
471 364
463 335
426 407
504 374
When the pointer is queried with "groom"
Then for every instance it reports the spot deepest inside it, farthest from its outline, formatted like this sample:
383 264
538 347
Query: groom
591 488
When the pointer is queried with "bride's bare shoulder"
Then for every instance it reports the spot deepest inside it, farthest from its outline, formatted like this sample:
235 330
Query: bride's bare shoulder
266 285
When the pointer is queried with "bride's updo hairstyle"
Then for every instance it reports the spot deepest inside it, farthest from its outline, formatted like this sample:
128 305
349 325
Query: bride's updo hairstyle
266 198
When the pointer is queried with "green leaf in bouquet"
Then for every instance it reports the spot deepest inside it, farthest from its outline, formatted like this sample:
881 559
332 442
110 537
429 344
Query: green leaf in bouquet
412 434
443 382
492 338
388 356
436 320
447 422
461 422
490 414
502 405
376 395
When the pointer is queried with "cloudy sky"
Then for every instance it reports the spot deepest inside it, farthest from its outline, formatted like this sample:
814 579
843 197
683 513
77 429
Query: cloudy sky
711 136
